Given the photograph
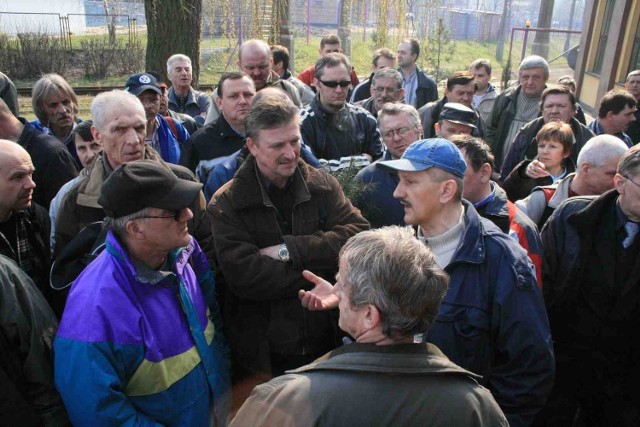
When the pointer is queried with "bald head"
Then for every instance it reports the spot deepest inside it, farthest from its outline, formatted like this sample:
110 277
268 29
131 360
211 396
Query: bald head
254 59
16 184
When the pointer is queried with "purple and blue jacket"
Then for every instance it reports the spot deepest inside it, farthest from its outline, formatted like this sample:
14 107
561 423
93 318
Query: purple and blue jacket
135 352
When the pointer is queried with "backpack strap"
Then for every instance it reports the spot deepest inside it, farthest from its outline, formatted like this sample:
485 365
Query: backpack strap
174 128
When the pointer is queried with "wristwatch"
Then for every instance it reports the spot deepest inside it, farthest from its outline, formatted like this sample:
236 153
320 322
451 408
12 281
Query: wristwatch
283 252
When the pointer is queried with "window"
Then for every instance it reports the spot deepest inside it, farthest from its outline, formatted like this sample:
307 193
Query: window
604 36
634 63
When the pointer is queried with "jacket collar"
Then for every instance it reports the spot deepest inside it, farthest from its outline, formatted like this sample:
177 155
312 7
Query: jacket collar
88 196
584 219
253 193
174 99
409 359
471 248
498 206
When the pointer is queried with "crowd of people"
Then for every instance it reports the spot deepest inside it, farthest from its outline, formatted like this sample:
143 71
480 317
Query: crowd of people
186 259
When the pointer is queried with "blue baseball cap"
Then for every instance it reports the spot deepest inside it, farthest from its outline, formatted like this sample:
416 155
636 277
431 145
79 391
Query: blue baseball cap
429 153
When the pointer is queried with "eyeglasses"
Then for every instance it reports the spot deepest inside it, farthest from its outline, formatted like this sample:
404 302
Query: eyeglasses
176 216
401 132
389 90
629 179
332 84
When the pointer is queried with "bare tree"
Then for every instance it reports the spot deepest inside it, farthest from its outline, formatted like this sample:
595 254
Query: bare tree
173 26
111 17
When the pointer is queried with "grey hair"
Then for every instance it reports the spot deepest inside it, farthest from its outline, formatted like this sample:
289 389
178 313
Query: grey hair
388 73
119 225
629 164
394 109
112 100
392 270
600 149
535 61
45 87
631 74
175 58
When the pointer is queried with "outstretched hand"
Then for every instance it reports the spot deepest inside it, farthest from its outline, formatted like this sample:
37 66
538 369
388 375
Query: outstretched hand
321 297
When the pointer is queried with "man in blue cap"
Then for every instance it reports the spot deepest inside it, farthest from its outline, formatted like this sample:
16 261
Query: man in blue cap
492 320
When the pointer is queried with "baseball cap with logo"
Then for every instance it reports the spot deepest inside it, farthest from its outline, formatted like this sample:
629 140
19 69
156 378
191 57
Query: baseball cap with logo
138 83
458 113
429 153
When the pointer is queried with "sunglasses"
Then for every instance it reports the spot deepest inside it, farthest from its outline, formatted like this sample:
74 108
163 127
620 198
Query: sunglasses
331 84
176 216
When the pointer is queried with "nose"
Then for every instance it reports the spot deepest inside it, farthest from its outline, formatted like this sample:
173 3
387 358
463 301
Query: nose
398 193
185 215
30 184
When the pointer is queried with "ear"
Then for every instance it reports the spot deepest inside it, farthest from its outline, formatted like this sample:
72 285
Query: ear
371 90
219 102
436 127
447 191
96 134
134 230
372 317
485 173
251 145
618 183
584 168
238 64
402 93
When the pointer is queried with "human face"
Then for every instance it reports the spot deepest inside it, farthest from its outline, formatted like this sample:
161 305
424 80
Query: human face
123 135
151 103
599 179
236 99
405 57
333 98
558 108
551 153
629 189
257 65
352 318
383 62
385 90
277 152
180 75
620 122
447 129
633 86
462 94
396 124
330 48
16 182
61 114
87 150
481 78
164 101
532 81
167 230
475 183
420 196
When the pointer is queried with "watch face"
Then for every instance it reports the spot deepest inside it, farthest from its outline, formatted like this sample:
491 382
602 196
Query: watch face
283 252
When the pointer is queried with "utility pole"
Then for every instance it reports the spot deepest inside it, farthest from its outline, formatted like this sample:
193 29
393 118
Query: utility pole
504 28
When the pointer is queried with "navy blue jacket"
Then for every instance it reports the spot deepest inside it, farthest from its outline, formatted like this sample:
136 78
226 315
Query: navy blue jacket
493 321
377 202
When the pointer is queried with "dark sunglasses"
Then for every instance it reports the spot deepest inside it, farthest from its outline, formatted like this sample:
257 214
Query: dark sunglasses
343 83
176 216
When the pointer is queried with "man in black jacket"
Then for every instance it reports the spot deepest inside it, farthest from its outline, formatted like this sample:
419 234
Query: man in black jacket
591 275
419 88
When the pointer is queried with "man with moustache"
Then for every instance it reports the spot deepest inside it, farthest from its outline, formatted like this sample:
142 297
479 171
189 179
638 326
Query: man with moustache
632 85
616 112
275 218
182 97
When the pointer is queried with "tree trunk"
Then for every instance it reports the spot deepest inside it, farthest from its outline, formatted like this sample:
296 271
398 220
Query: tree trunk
541 39
173 26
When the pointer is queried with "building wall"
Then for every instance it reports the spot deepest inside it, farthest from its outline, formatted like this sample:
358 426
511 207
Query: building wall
624 23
